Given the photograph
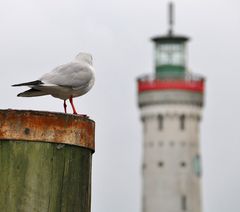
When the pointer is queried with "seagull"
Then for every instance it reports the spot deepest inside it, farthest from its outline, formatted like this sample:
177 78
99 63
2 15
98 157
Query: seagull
64 82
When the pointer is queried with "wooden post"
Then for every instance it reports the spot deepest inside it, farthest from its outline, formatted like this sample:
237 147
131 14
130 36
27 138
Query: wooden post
45 161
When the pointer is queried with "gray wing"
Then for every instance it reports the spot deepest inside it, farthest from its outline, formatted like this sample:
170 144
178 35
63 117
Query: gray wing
72 75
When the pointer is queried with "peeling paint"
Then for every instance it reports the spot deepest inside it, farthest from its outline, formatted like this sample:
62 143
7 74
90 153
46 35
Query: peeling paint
47 127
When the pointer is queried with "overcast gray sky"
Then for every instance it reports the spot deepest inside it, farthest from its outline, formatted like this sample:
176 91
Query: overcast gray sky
36 36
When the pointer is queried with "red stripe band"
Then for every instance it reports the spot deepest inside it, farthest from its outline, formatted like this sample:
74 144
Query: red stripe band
151 85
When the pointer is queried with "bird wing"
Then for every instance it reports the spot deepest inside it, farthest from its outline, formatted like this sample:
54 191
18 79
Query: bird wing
73 75
30 84
32 93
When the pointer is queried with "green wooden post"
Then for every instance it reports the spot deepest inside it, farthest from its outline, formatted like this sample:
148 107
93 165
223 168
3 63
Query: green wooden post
45 162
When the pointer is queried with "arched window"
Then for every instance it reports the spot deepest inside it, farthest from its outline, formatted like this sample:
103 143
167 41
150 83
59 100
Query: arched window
160 122
182 122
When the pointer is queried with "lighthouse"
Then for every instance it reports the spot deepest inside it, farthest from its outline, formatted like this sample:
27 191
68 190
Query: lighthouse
171 102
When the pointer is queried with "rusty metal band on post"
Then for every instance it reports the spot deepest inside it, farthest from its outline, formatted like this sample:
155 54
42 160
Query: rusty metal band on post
22 125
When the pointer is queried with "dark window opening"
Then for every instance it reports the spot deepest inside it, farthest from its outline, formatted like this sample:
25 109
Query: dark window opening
183 164
160 143
184 202
160 122
150 144
160 164
144 166
182 122
143 119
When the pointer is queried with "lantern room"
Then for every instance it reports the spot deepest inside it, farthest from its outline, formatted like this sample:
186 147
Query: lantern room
170 54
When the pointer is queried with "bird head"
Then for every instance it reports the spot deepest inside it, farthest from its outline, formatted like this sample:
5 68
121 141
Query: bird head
84 57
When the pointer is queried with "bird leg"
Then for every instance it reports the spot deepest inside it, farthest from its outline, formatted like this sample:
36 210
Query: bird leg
65 106
73 108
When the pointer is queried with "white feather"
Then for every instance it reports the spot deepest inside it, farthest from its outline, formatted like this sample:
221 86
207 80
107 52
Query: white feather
69 80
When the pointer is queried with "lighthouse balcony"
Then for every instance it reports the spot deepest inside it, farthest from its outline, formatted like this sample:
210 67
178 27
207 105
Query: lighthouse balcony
186 88
186 81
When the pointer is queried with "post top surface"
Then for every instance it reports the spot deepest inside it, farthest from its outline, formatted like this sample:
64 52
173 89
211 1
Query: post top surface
50 127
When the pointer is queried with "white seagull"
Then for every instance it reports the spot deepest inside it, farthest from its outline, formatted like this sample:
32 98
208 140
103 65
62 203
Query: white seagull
64 82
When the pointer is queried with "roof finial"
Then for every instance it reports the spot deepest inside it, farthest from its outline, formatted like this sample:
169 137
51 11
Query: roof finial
171 18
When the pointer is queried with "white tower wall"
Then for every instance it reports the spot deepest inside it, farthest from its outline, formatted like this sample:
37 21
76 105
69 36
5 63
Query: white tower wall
171 158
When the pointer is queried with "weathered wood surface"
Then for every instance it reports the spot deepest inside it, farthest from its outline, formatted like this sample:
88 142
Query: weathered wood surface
43 177
45 161
34 126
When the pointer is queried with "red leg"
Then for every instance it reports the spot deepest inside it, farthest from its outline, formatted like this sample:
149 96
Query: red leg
71 102
65 106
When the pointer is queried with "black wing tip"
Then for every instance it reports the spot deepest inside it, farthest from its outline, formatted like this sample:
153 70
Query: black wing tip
31 93
36 82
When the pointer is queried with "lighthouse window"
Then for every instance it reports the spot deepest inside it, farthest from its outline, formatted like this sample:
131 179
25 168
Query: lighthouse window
170 54
160 122
144 166
197 165
150 144
160 143
183 164
160 164
184 202
144 124
182 122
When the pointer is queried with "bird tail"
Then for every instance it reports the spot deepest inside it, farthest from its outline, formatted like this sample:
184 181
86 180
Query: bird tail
36 82
31 93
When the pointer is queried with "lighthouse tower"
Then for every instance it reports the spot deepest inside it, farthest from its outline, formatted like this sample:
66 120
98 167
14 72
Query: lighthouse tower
171 102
